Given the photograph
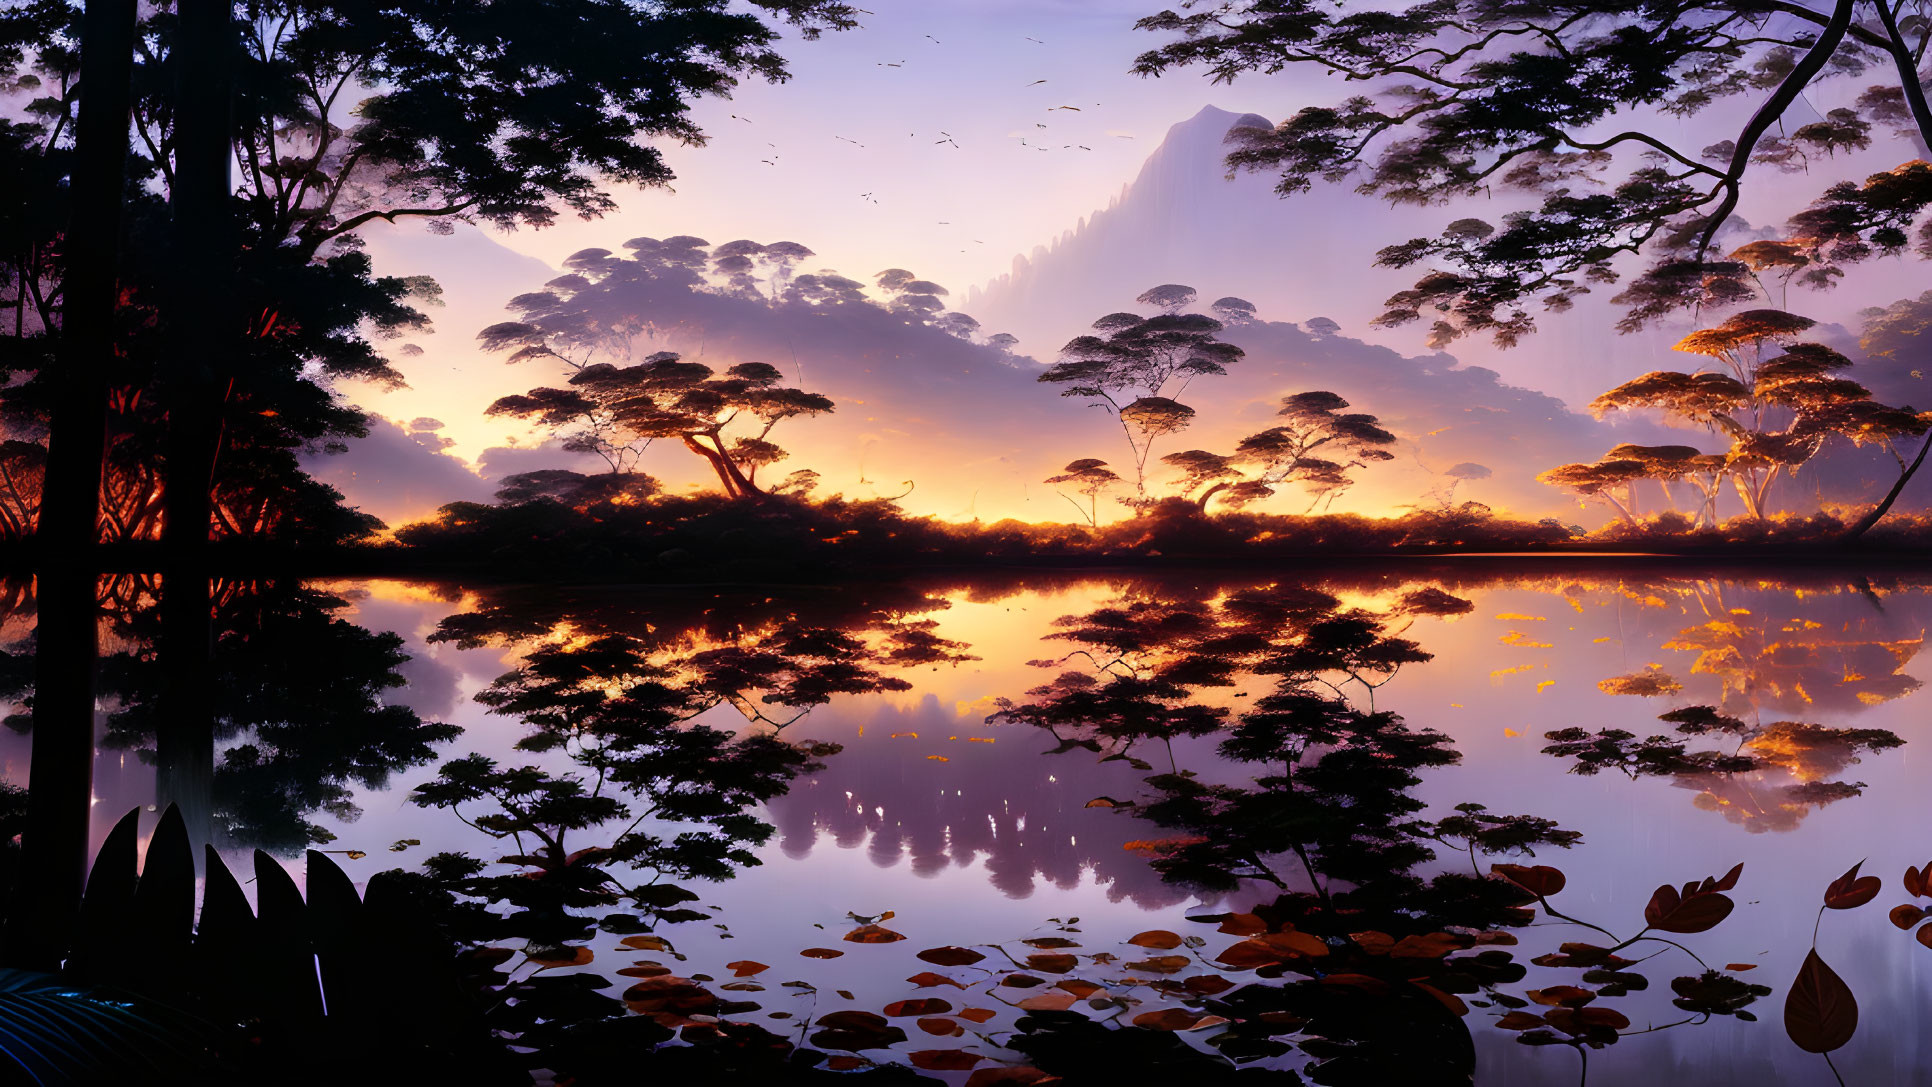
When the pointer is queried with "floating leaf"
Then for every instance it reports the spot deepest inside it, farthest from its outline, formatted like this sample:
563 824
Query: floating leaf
1048 943
1242 924
854 1029
950 956
905 1009
1105 802
944 1028
1915 879
1906 915
1054 1001
1540 880
977 1015
567 956
646 943
1520 1021
1159 939
872 934
1820 1012
929 980
745 968
1561 996
1049 963
1168 1019
1740 967
1925 935
821 953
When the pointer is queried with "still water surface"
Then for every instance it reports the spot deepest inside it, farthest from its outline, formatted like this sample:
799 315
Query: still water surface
973 832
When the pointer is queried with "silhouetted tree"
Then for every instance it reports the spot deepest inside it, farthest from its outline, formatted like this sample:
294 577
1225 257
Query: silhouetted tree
1136 367
1316 447
616 411
1473 95
1091 478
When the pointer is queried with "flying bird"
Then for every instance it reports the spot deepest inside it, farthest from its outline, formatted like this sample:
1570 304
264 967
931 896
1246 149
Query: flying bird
930 38
889 64
1033 39
746 120
1036 82
1075 109
854 143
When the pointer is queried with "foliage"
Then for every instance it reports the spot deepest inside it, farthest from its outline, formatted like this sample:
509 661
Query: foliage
1776 401
1135 367
1569 104
1316 447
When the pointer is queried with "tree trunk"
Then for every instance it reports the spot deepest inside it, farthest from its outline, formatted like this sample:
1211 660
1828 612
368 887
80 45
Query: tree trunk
60 780
1866 522
1210 493
204 332
712 458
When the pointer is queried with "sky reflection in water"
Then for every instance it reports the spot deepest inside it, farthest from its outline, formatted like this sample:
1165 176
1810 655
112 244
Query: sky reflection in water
971 834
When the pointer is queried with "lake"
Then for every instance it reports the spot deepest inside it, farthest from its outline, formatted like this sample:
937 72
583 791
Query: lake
1093 762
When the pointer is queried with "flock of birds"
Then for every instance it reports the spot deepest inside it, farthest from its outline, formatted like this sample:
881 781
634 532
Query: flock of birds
947 139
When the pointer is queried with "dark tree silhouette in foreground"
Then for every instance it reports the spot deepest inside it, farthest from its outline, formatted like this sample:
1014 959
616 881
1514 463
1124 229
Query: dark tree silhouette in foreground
1575 105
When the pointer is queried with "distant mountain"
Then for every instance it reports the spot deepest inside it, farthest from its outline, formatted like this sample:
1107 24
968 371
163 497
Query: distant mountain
1184 220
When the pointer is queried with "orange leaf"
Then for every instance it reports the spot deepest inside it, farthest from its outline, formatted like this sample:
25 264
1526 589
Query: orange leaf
873 934
929 980
950 956
1243 924
1820 1012
944 1028
821 953
1520 1021
1208 984
1052 964
1907 915
1080 989
1167 1019
1740 967
1915 879
745 968
1055 1001
977 1015
1159 939
1925 935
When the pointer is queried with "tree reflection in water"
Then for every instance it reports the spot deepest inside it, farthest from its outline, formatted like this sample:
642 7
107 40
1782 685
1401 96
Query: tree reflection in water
1759 769
1245 755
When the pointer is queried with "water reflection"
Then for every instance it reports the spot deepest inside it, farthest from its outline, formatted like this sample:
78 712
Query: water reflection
1324 771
